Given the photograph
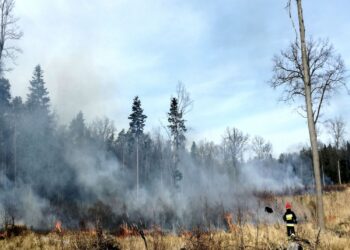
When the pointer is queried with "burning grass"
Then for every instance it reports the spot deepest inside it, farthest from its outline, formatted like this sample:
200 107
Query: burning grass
240 233
269 237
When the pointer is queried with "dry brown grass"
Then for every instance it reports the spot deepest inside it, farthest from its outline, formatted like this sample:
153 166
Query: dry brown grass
243 236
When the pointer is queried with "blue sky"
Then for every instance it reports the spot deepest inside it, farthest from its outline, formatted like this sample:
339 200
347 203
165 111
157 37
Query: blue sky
98 54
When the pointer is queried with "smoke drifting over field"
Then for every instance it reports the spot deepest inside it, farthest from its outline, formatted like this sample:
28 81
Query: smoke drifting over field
80 183
84 173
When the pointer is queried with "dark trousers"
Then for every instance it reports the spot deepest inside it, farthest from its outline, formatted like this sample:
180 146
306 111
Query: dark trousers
290 231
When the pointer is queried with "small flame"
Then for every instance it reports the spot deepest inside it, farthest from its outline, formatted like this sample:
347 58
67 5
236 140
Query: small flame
228 217
92 232
58 226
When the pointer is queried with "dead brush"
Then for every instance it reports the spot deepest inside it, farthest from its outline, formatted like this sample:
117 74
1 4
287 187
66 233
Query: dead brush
203 240
228 218
342 229
13 230
157 238
184 233
95 239
126 231
85 241
335 188
134 230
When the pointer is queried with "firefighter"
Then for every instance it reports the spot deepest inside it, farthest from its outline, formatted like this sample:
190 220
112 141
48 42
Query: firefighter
290 218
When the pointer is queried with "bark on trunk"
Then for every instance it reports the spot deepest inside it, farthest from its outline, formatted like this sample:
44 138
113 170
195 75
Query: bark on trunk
310 119
15 154
339 176
137 168
323 181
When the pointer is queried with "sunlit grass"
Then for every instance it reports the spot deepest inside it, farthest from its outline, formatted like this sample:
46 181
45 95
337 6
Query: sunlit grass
244 236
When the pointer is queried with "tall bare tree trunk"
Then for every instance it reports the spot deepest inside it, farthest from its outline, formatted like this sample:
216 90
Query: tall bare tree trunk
15 154
161 176
123 158
137 167
323 181
310 119
339 176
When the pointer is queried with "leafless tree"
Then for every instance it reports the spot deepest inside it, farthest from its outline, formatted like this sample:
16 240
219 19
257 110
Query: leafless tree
234 145
336 129
310 70
207 154
9 31
261 148
102 129
184 100
326 69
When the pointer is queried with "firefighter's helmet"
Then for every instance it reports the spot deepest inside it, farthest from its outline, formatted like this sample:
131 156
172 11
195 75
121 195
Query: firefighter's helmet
288 205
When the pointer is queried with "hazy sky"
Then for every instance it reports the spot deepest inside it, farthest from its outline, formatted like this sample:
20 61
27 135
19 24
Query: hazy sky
98 54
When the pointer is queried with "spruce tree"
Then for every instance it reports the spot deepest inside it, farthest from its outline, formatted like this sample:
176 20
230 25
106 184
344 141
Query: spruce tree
17 123
36 131
177 131
38 103
137 118
5 95
137 124
5 128
38 97
176 125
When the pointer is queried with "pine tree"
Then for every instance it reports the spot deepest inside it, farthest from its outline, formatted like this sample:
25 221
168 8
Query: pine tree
38 95
5 95
5 129
177 131
137 124
17 112
38 103
35 138
137 118
176 125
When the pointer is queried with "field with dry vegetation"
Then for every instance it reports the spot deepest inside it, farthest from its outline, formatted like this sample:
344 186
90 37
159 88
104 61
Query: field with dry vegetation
239 234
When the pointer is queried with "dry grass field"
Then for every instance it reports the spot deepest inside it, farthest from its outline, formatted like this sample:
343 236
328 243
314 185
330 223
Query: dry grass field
243 236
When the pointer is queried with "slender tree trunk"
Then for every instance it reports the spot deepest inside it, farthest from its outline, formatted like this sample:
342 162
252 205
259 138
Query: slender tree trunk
323 182
2 164
137 167
174 168
176 148
310 120
15 154
161 176
123 158
339 176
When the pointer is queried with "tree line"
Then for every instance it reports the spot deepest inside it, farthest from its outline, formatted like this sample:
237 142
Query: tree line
38 154
31 138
